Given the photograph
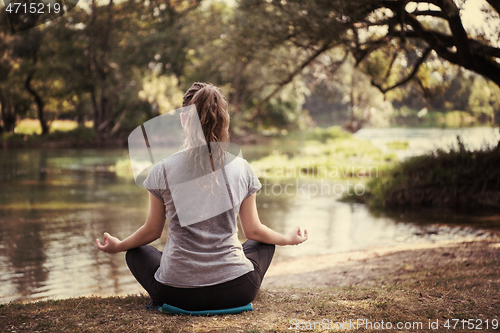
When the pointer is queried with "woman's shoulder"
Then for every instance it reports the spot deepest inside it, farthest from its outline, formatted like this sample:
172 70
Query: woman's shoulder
169 162
161 168
240 166
236 161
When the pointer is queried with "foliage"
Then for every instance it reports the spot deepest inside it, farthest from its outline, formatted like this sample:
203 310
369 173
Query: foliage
396 44
398 145
161 92
121 63
91 64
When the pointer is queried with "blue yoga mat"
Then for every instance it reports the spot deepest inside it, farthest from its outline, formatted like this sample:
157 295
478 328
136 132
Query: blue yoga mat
165 308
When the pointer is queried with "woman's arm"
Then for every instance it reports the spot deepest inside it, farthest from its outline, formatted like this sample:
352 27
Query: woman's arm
150 231
254 229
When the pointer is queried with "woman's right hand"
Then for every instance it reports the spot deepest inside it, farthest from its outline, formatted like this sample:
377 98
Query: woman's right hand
109 244
296 237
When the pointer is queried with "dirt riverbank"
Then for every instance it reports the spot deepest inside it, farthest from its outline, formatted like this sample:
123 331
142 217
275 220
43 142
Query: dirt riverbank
379 265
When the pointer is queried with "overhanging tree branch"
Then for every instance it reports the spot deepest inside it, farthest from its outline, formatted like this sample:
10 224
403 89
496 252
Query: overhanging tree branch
452 13
481 63
448 41
439 45
433 13
419 63
389 69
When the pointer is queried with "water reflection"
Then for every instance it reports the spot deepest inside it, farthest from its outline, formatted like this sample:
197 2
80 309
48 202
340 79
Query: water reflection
334 226
51 204
24 249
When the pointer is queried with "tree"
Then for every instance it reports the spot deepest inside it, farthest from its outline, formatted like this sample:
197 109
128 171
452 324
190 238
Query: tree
225 48
30 48
390 39
20 63
95 63
123 41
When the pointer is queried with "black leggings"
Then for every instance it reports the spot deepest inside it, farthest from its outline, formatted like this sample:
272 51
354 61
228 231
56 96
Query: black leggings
145 260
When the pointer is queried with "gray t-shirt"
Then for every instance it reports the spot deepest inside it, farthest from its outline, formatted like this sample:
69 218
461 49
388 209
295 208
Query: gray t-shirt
206 252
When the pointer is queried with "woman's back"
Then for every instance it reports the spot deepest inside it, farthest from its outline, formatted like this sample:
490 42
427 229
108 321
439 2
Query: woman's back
207 251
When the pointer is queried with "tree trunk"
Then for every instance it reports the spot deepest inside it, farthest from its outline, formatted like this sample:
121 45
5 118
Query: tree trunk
80 111
39 104
8 114
98 63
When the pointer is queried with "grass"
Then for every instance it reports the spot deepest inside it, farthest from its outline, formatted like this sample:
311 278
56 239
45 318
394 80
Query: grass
464 288
62 134
400 145
63 139
32 126
329 154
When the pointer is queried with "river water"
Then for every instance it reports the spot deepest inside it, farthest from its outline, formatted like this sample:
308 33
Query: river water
55 203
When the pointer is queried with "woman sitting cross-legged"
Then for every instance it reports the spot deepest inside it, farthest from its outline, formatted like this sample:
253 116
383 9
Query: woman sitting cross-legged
204 266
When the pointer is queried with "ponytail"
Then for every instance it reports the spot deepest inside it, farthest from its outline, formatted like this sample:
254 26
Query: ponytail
211 108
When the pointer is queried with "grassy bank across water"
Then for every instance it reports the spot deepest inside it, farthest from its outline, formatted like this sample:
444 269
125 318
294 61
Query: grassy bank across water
323 153
456 179
63 134
439 284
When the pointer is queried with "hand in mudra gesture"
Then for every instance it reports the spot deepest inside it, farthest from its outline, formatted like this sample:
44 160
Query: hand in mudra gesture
295 236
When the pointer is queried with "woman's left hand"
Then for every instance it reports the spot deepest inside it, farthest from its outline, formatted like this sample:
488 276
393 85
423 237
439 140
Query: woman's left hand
295 236
109 244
